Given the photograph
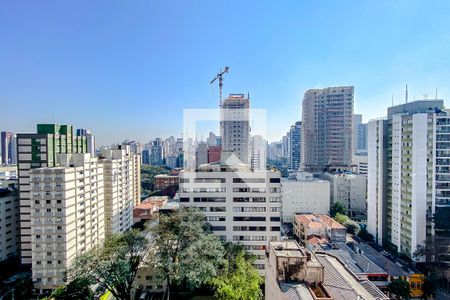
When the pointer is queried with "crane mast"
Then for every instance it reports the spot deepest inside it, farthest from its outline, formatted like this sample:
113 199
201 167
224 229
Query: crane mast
219 77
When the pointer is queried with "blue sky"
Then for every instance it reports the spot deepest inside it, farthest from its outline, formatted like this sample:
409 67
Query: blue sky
127 69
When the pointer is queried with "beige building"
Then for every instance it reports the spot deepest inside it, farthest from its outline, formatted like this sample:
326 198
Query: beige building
67 215
120 175
349 189
327 127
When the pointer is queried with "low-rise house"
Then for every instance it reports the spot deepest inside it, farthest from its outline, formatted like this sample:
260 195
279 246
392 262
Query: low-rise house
294 272
306 225
148 208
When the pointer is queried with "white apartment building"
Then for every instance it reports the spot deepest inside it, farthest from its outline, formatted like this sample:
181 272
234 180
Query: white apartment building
350 190
304 195
376 174
9 220
120 188
67 215
414 162
241 205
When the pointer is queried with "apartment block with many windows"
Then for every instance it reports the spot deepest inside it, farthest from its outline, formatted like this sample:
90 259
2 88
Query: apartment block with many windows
39 150
120 173
241 205
66 215
413 171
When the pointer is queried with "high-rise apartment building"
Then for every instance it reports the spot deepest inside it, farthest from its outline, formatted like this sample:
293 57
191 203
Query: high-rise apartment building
359 136
157 153
90 140
67 215
295 146
8 148
258 153
119 166
235 126
408 173
39 150
242 206
327 127
146 157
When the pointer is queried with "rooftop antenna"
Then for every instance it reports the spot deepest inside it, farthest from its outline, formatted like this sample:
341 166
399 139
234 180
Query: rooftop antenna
220 77
436 93
392 100
406 94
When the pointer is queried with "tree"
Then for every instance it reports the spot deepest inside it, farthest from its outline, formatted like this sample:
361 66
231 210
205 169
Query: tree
337 208
352 226
79 288
365 235
113 266
399 287
241 282
189 255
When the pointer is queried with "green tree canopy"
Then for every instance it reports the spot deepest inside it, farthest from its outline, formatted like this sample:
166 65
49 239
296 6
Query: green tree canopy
337 208
113 266
242 282
400 288
188 254
79 288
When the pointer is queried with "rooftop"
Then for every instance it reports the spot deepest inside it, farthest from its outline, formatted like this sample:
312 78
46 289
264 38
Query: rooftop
318 221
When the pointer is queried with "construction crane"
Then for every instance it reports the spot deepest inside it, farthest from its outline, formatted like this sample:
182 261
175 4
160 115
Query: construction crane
219 76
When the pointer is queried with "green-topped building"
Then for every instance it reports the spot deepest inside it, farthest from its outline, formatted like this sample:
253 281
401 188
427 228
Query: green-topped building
38 150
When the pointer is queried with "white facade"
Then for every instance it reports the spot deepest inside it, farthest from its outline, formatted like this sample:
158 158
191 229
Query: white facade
67 215
376 206
304 197
414 159
350 190
361 163
242 206
120 195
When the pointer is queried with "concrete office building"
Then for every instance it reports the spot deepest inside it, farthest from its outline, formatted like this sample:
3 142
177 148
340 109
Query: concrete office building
350 190
327 128
120 189
408 173
235 126
39 150
241 205
67 215
9 219
304 195
295 146
201 154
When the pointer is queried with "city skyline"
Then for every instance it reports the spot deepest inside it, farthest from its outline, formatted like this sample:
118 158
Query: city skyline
128 72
